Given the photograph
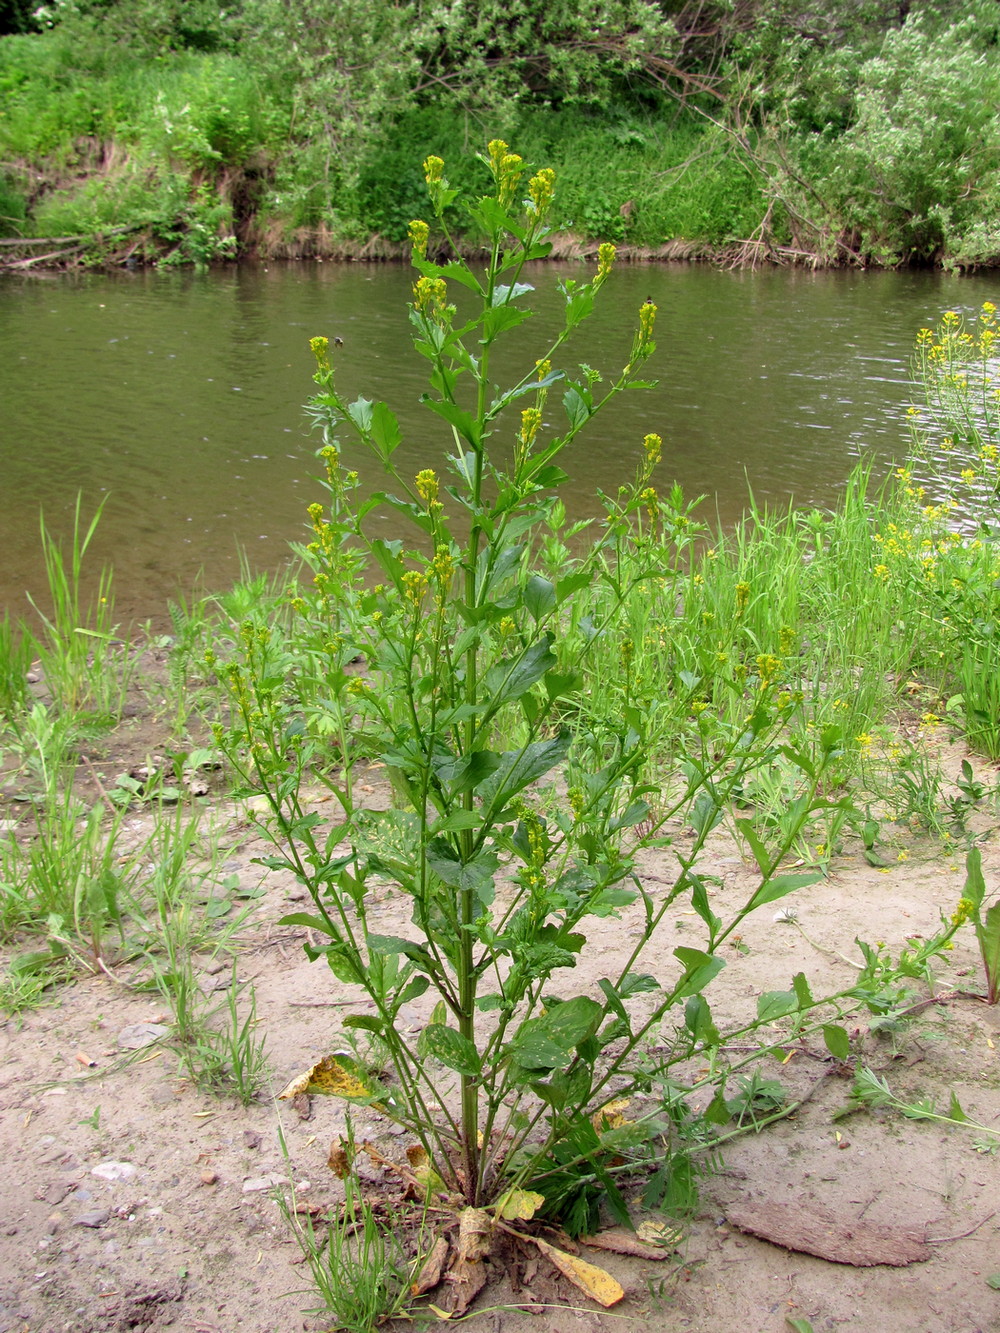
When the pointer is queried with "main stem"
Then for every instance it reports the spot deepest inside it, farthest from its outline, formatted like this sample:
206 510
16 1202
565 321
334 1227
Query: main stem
466 961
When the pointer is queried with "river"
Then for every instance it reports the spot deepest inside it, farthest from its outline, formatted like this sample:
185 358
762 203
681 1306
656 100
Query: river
175 398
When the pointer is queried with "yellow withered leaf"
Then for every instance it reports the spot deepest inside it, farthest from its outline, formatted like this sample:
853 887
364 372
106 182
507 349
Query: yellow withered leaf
597 1284
523 1204
423 1169
610 1116
333 1076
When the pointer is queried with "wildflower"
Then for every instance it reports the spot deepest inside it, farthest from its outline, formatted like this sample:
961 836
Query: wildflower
544 368
650 499
963 911
653 446
531 420
497 149
320 348
904 855
419 232
541 188
605 259
768 667
427 485
742 597
865 741
433 170
443 565
414 586
647 319
430 295
577 801
511 170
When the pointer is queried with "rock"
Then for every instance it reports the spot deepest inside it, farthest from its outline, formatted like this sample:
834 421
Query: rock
256 1184
53 1223
209 1177
94 1217
251 1138
114 1171
138 1035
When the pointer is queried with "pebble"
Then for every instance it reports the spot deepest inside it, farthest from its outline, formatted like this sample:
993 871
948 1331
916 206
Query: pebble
53 1223
95 1217
114 1171
209 1177
137 1035
258 1183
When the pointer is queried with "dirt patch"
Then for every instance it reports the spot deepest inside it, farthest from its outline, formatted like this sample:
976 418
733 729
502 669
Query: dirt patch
135 1201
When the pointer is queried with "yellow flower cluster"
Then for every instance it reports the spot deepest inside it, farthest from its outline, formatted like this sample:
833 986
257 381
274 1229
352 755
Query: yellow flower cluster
419 234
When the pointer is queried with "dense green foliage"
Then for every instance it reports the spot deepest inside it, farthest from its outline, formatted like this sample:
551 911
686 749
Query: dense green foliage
843 132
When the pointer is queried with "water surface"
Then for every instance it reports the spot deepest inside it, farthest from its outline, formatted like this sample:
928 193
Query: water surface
176 398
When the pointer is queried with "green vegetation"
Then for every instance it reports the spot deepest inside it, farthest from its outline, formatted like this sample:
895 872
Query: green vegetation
187 133
548 710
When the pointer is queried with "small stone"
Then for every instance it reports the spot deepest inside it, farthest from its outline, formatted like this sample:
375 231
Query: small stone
53 1223
256 1184
251 1138
843 1143
114 1171
94 1217
209 1177
137 1035
214 967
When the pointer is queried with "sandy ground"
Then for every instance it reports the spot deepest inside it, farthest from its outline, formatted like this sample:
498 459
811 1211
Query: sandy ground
192 1238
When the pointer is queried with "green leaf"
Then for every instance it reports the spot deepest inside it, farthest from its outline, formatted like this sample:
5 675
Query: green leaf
360 412
539 597
989 944
500 318
520 768
451 1049
955 1110
385 430
457 821
368 1022
975 884
464 422
467 773
838 1043
776 1004
802 992
577 408
760 852
773 889
699 969
994 1281
698 1021
512 677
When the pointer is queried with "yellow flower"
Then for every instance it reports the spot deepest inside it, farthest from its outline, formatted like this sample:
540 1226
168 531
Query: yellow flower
320 348
541 188
531 420
430 296
433 170
653 446
605 259
647 319
427 485
419 232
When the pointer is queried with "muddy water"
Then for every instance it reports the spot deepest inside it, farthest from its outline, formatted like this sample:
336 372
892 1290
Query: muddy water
175 398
